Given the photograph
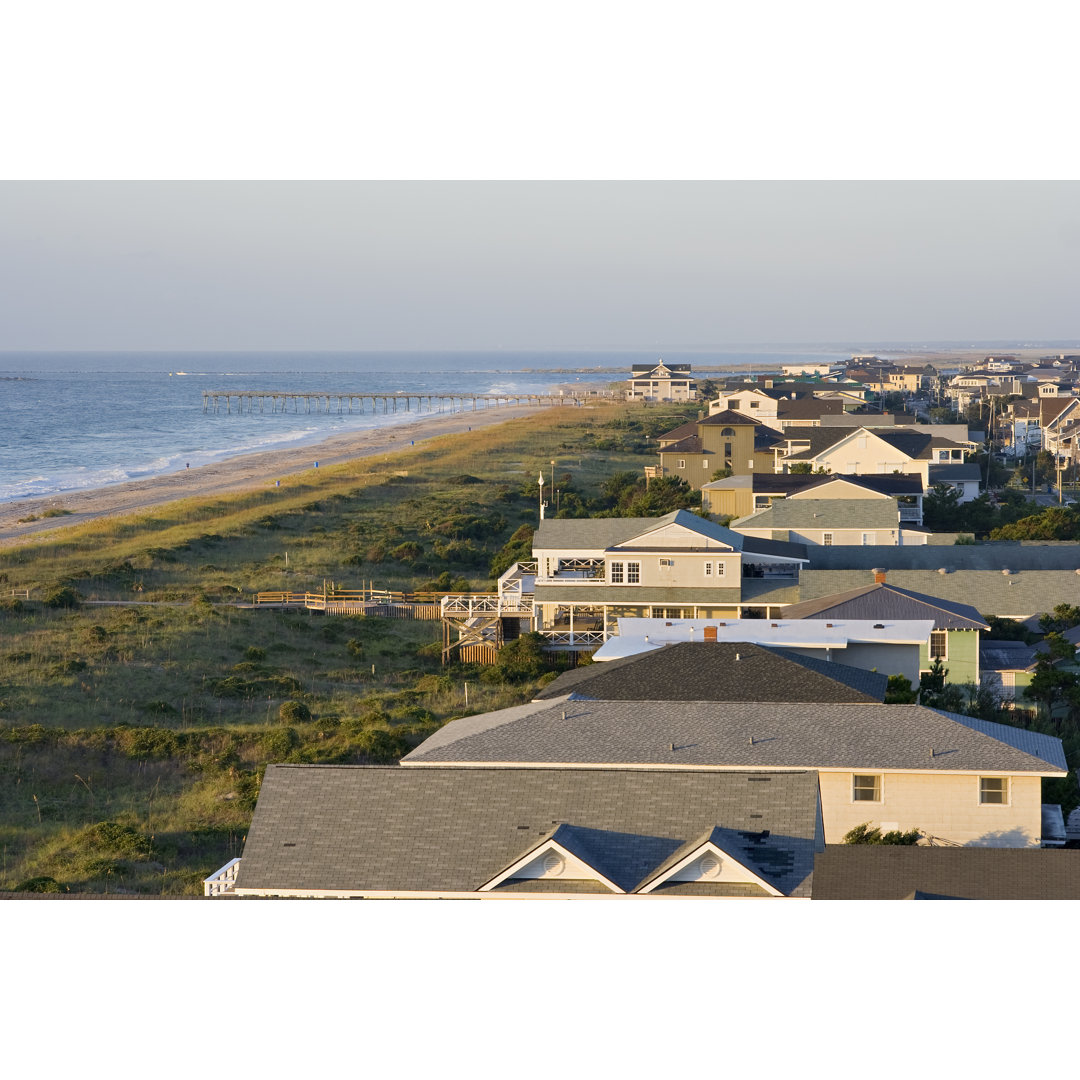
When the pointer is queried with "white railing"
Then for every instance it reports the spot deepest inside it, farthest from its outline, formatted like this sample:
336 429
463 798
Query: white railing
487 604
223 881
910 513
572 577
574 637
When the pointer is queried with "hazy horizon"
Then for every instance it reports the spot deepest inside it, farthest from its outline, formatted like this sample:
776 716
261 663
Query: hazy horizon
353 266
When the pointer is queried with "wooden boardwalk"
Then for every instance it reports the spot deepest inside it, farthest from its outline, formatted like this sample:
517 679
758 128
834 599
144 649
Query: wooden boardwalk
256 401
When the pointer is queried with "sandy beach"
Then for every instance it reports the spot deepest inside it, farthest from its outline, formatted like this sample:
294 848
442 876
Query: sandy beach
236 474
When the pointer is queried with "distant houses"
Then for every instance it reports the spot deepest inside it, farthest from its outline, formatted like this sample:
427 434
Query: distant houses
661 382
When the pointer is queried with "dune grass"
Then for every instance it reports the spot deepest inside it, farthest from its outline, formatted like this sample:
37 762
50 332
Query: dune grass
139 706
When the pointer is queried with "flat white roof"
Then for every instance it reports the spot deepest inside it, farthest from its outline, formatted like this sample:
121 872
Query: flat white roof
638 635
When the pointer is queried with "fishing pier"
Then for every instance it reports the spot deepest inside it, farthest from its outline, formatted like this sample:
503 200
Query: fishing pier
256 401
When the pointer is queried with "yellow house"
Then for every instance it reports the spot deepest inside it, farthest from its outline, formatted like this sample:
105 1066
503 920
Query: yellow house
724 440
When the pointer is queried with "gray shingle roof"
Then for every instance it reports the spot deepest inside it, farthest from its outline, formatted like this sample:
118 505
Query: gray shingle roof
743 735
1006 656
944 474
988 556
866 872
389 829
719 671
888 601
1016 595
604 533
806 513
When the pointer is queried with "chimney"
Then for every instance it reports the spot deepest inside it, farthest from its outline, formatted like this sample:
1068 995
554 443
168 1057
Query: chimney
879 575
710 633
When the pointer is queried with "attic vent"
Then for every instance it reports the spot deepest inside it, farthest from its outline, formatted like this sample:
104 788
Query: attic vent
553 864
709 866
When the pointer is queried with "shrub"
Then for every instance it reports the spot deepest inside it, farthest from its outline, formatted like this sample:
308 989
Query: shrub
867 834
158 708
254 653
278 743
63 596
120 841
40 885
294 712
12 605
381 747
407 552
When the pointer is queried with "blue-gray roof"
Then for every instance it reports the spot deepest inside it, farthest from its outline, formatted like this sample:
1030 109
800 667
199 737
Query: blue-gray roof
741 735
887 601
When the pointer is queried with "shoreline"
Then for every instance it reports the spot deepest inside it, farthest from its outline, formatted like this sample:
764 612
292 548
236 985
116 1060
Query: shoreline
241 473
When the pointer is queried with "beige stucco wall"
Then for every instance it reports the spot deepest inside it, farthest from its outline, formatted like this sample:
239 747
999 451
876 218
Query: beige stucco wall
941 804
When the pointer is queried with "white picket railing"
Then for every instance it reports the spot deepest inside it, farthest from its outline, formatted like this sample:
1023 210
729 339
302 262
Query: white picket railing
223 881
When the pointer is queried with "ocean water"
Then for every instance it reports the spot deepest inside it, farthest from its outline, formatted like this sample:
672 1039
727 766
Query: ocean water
71 421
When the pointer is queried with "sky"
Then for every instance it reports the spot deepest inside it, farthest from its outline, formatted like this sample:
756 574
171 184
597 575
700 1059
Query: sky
444 265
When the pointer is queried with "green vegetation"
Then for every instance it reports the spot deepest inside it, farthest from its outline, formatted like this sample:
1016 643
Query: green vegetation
139 704
868 834
984 516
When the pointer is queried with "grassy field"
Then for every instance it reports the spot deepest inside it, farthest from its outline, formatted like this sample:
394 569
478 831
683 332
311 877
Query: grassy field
139 705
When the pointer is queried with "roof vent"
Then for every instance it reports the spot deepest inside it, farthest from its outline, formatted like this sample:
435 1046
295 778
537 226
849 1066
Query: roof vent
775 624
1006 571
829 625
879 626
942 570
553 864
667 624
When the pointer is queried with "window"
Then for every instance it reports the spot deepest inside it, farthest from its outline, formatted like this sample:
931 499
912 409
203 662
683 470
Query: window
727 449
727 433
826 539
682 463
866 787
868 539
616 573
708 569
705 463
939 645
633 573
994 790
753 404
667 562
719 569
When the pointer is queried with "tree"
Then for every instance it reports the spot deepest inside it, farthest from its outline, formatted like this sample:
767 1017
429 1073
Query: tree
1053 523
936 693
1051 685
870 834
1064 617
899 691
